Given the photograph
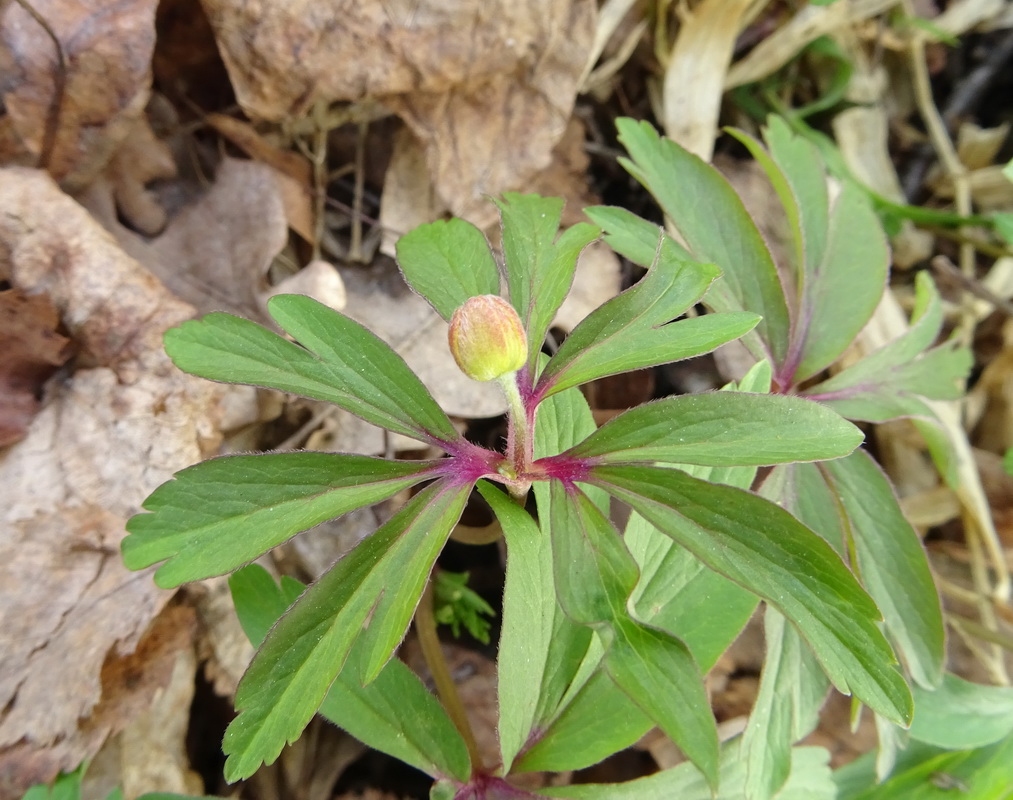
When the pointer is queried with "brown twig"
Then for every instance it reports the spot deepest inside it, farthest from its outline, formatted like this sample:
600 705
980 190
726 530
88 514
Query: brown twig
425 627
944 266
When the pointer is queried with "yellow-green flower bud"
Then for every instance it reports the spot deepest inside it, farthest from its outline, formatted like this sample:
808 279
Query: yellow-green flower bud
487 338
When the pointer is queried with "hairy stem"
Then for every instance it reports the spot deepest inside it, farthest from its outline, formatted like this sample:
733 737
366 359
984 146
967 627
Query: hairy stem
520 445
425 626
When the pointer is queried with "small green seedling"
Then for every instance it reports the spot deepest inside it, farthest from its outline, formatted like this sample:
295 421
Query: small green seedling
605 634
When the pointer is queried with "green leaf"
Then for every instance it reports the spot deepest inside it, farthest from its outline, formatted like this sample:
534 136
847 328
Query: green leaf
678 594
634 237
447 262
839 276
887 383
345 364
457 604
1003 223
807 203
925 773
595 575
892 564
792 690
843 292
635 329
596 721
394 714
659 674
217 515
368 597
766 550
529 616
810 780
708 214
65 787
962 715
721 429
539 267
594 572
557 710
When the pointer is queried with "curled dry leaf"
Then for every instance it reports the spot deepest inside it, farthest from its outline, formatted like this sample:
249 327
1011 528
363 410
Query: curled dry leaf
105 78
141 158
216 252
121 424
486 86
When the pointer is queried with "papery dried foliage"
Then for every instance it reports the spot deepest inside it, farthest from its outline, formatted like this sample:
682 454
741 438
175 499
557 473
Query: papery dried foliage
486 87
85 105
216 252
117 427
30 350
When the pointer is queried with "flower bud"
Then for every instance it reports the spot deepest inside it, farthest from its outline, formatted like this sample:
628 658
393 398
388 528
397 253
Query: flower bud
487 339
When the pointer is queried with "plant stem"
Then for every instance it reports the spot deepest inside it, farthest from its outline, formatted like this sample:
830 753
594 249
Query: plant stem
425 627
520 446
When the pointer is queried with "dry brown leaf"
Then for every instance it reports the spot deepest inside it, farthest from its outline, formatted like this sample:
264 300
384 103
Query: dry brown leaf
318 279
153 748
696 71
222 647
487 87
785 43
107 51
30 351
409 197
292 171
216 252
120 425
140 159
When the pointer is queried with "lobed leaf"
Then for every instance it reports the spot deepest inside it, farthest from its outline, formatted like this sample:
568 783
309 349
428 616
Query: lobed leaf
962 715
891 563
676 592
558 711
712 221
595 575
792 691
367 598
766 550
659 674
810 779
635 329
721 429
540 648
539 267
594 572
838 276
888 382
220 514
593 723
447 262
680 595
345 364
394 714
